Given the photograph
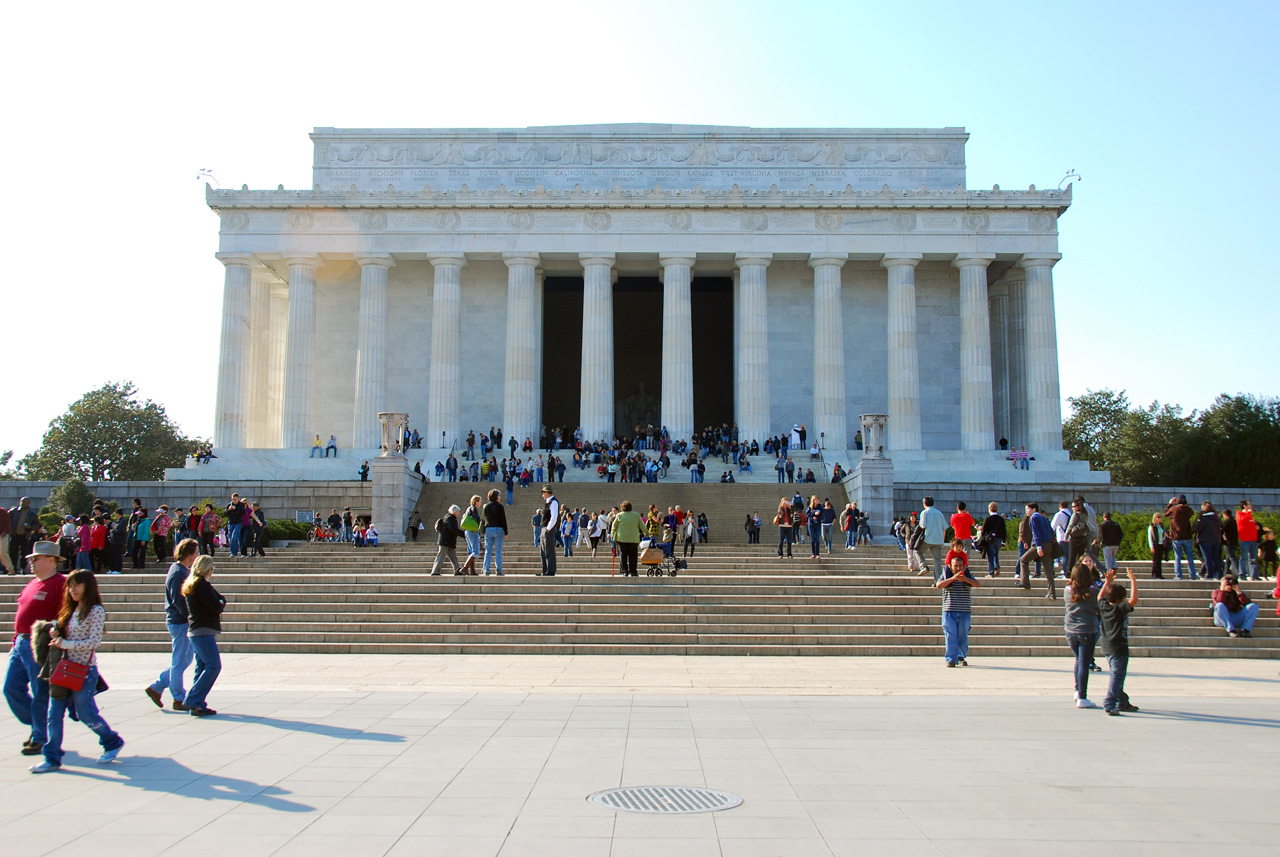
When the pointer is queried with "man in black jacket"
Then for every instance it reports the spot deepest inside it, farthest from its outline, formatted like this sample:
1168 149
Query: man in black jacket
177 618
449 532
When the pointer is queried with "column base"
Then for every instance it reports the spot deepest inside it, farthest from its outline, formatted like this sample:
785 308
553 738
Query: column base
871 487
395 493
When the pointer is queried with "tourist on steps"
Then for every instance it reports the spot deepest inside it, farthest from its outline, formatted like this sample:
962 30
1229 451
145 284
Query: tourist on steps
204 611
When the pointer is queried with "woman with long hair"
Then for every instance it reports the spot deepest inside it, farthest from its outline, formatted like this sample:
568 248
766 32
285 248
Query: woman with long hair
1155 541
204 611
78 633
783 522
1081 627
814 513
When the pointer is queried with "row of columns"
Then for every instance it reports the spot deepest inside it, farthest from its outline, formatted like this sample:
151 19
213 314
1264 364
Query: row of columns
1019 350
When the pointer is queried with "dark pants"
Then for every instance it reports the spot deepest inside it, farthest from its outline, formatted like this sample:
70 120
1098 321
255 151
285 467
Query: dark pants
162 549
815 537
1032 554
139 554
1157 560
1116 696
690 546
784 537
548 555
17 550
629 558
1082 647
206 543
208 666
1211 553
259 536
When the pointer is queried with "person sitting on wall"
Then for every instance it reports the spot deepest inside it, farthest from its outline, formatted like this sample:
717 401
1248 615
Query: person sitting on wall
332 445
316 447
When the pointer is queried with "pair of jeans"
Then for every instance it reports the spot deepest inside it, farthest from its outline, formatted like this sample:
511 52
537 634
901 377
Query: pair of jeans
955 628
993 555
1182 549
1082 647
1241 620
86 709
171 676
473 542
1248 560
1231 557
493 538
233 538
1109 554
784 537
815 537
849 536
826 536
781 475
1115 690
314 450
82 561
208 665
24 690
1211 553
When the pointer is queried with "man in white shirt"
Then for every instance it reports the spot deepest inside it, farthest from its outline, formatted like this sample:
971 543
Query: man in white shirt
1059 524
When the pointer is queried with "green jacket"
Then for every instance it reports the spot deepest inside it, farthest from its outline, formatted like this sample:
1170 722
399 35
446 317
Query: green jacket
626 527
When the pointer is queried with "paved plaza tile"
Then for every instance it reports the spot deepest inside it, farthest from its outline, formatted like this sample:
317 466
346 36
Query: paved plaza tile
456 755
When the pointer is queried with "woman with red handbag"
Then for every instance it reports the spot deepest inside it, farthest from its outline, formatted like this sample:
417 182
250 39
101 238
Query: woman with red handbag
78 633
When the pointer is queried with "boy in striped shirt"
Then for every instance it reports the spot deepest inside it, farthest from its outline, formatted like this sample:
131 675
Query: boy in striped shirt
955 584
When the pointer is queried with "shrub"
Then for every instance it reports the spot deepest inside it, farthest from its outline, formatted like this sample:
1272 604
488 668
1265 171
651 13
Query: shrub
282 529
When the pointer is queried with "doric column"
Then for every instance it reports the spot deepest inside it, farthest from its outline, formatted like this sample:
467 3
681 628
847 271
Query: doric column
1044 401
279 336
754 418
677 345
595 414
444 396
295 419
260 357
998 309
830 419
371 351
903 425
539 309
1015 280
737 330
523 388
977 423
231 425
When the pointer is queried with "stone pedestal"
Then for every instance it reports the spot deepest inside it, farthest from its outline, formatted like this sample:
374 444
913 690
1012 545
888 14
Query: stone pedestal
872 489
395 493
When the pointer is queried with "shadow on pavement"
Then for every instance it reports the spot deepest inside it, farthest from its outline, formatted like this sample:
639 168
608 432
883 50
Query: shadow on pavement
162 774
1201 717
312 728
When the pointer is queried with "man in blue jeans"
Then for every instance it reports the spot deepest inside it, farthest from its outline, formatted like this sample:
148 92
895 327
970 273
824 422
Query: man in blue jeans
1179 516
236 510
24 690
175 618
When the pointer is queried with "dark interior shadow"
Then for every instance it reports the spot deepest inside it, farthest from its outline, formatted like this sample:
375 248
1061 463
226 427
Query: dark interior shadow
160 774
314 728
1201 717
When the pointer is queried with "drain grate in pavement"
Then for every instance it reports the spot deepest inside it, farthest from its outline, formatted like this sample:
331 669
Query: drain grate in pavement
665 799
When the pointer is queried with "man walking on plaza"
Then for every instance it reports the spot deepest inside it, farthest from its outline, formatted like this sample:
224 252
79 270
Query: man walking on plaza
550 520
935 536
1042 548
176 619
22 523
24 690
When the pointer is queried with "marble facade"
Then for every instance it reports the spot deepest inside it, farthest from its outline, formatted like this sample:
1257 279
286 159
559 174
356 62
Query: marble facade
867 278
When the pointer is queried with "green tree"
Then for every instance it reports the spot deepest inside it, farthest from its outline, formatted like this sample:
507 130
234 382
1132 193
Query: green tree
72 497
1152 446
109 435
1091 432
7 473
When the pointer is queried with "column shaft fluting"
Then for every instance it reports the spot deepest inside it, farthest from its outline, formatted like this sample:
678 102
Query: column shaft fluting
903 425
595 415
259 357
523 387
371 352
830 417
231 426
295 420
998 310
1017 284
279 336
977 428
1044 402
677 345
753 347
444 396
539 311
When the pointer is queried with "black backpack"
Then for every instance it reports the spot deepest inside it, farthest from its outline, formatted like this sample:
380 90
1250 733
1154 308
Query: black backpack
439 525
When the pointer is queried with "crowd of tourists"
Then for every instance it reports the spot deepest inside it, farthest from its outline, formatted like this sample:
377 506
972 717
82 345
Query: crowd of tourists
59 625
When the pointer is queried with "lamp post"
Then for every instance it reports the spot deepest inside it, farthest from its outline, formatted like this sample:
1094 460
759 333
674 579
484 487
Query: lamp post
823 436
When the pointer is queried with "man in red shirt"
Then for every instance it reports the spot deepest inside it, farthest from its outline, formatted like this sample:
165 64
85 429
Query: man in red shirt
962 523
1248 530
24 690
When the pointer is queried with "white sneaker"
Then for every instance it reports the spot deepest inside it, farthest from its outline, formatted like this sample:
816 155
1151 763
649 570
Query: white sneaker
1084 703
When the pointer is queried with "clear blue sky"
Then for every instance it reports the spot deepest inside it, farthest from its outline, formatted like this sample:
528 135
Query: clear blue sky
1167 287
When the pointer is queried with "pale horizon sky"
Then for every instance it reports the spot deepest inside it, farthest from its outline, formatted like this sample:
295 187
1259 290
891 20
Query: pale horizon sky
1164 108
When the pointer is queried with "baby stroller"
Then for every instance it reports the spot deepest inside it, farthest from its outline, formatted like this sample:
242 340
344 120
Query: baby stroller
658 560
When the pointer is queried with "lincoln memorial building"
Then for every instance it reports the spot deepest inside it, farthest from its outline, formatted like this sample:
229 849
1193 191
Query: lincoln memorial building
604 276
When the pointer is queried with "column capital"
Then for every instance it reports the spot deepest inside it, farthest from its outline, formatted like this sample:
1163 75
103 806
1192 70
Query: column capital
236 258
749 260
823 260
592 259
307 260
518 260
379 260
973 260
683 260
457 260
901 260
1039 260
